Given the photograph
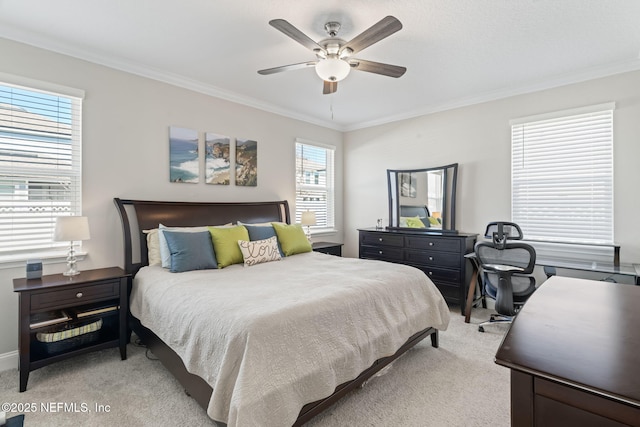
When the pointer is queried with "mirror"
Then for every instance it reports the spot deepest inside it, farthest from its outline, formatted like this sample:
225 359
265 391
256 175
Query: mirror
423 199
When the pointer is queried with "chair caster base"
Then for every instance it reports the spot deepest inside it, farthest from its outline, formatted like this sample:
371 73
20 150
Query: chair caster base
480 328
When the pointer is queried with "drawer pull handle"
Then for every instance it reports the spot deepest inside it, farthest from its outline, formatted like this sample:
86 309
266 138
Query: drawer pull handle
430 243
380 239
79 295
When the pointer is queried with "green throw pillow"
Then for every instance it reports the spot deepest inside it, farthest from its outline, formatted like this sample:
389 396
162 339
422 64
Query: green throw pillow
225 244
292 238
433 221
415 223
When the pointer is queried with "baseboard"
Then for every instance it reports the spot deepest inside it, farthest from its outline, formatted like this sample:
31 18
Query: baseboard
9 360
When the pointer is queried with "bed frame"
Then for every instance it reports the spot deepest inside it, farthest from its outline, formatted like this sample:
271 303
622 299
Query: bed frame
139 215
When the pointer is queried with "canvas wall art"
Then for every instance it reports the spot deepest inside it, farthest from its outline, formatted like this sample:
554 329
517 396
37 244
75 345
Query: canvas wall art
246 162
217 162
184 163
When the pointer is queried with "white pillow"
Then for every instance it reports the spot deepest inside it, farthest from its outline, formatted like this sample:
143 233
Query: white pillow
153 247
259 251
165 254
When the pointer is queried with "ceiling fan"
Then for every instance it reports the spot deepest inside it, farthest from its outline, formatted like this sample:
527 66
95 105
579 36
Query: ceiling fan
334 55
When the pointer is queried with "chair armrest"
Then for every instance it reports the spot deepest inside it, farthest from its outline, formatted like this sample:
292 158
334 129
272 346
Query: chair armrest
502 268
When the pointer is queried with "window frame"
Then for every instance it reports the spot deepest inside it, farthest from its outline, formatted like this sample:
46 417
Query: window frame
329 187
48 251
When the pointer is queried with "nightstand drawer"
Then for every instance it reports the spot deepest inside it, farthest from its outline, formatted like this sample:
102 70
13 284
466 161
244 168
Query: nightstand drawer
75 295
381 239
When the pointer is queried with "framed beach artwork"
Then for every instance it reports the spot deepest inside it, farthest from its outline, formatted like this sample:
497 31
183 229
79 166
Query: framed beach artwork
407 185
184 164
246 162
217 163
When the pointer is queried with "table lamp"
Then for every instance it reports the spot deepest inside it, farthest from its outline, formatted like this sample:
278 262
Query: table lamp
308 219
71 228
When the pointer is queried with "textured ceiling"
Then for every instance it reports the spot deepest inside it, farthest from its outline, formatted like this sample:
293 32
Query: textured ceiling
457 52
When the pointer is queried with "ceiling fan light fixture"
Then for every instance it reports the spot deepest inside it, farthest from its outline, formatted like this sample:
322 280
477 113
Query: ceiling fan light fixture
332 69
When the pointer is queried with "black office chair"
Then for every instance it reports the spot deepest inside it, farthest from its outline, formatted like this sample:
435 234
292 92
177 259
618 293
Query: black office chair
506 268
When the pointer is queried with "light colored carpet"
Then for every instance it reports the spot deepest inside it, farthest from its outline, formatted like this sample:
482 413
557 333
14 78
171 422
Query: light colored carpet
457 384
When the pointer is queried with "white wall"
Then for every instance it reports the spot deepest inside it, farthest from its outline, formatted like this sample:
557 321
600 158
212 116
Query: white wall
126 154
478 138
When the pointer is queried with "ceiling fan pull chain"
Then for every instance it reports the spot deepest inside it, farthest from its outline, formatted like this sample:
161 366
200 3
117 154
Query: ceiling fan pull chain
331 105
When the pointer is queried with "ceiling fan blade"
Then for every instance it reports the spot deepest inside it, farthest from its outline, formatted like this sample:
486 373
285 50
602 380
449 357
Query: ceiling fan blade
287 68
291 31
329 87
384 28
377 68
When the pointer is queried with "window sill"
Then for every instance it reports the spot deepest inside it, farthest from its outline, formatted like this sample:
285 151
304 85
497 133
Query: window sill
48 257
323 232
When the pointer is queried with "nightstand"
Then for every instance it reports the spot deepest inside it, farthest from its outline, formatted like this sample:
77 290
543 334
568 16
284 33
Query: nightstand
88 311
327 248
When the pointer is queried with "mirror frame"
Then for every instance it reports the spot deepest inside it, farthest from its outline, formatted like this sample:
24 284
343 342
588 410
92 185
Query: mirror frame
449 198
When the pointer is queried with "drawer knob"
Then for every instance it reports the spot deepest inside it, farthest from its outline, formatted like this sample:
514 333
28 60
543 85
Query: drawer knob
380 239
79 295
430 243
380 252
431 273
430 258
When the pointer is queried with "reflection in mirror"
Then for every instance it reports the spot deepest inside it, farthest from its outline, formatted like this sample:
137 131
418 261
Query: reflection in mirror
423 199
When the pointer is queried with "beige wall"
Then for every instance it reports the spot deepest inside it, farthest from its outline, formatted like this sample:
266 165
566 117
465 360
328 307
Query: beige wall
126 154
478 138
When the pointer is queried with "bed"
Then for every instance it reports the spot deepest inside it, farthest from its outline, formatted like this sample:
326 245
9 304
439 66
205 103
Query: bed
274 343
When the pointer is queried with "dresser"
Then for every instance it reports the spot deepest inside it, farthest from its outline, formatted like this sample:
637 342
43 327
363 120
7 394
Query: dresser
439 254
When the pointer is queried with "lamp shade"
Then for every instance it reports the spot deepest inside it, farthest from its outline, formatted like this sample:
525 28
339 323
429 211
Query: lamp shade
71 228
308 218
332 69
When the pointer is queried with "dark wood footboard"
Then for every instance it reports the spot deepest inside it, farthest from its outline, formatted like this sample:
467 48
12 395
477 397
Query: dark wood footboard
197 388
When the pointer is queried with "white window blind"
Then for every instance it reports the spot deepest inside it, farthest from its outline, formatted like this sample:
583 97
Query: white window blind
562 176
40 166
315 182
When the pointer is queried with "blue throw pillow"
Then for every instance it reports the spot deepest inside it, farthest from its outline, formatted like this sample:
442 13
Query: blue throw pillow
190 251
262 232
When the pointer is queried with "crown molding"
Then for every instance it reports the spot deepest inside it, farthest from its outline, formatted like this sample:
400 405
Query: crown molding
544 84
131 67
39 41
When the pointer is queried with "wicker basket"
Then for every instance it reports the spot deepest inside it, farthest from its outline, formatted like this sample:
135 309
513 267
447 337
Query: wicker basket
66 339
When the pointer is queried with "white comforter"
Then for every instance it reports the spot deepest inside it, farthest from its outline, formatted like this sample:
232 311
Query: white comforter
273 337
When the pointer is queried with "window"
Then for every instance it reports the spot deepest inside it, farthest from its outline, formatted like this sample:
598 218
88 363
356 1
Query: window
562 176
314 182
40 164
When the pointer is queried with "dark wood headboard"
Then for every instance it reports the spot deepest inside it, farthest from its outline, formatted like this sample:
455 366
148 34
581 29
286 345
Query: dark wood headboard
138 215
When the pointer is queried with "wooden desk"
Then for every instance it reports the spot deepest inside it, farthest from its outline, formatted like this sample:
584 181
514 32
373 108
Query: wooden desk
574 354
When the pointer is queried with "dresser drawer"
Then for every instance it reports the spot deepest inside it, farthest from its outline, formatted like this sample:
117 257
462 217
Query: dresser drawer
433 243
383 239
432 258
76 295
451 293
385 253
442 275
